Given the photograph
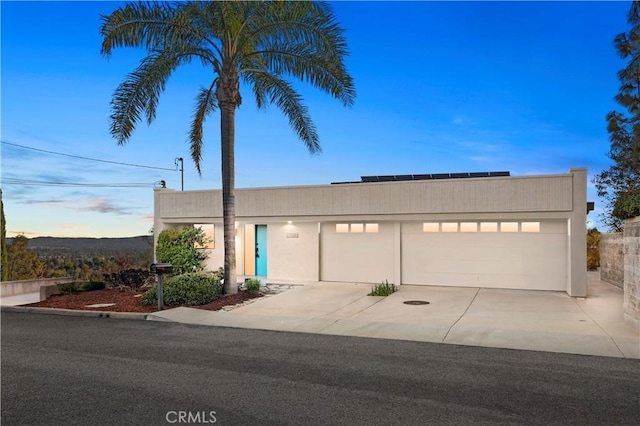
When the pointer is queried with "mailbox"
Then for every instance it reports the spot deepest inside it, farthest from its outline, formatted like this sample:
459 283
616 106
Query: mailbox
161 268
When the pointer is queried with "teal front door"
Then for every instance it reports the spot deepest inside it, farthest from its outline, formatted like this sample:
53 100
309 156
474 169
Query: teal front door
261 250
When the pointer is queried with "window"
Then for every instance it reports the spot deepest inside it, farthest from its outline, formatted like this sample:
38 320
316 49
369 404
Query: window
450 227
509 227
468 227
530 226
430 227
357 228
488 226
371 228
342 228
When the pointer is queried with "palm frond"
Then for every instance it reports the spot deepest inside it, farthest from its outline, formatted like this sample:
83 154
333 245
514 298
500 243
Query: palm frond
279 92
303 40
206 103
307 64
134 25
153 26
140 91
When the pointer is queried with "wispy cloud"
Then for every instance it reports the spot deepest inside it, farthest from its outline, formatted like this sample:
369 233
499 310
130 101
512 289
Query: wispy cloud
58 179
100 205
46 203
10 153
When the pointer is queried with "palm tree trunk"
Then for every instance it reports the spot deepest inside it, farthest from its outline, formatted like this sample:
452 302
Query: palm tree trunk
227 133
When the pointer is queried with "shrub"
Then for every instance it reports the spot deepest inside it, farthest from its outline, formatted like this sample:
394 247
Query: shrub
178 247
130 279
593 249
92 285
186 289
68 288
219 274
383 289
252 284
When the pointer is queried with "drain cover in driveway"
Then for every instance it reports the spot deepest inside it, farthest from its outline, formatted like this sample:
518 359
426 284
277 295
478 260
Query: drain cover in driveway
416 302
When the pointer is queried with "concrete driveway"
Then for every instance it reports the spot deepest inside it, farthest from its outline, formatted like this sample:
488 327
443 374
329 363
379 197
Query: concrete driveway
516 319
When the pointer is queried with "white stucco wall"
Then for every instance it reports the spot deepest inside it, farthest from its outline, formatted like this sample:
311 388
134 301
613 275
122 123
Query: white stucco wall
216 255
292 251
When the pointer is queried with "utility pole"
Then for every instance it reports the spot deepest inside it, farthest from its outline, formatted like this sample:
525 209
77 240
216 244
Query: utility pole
181 172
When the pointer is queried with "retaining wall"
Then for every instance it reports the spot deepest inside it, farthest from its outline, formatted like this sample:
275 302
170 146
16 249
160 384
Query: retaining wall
14 288
612 258
632 272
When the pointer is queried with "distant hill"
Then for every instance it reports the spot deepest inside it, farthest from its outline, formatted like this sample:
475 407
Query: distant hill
105 245
89 258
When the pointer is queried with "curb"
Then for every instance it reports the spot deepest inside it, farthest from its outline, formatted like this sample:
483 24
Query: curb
75 312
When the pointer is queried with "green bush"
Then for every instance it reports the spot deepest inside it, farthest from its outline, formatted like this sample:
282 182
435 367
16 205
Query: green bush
186 289
219 273
178 247
252 284
130 279
383 289
68 288
92 285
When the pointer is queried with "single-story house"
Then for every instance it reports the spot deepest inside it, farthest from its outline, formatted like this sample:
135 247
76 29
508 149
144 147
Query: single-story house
469 229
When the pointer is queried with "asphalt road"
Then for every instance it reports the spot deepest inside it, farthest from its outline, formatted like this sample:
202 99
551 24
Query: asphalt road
59 370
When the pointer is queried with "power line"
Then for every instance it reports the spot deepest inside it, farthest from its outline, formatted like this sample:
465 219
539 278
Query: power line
86 158
28 182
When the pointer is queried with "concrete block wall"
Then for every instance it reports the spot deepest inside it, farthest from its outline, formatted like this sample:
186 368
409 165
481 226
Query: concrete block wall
14 288
612 258
632 272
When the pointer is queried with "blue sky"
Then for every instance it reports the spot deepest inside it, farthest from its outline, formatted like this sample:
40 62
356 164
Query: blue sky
441 87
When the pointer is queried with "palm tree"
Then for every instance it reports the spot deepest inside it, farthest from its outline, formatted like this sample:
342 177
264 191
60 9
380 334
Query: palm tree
258 43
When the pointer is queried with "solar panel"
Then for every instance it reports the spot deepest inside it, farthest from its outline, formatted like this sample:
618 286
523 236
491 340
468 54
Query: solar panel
404 177
478 174
422 177
427 176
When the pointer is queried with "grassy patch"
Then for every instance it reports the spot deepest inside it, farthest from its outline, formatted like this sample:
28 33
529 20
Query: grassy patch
383 289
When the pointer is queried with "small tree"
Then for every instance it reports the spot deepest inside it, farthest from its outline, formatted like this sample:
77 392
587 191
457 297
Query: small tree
178 246
620 184
3 242
23 264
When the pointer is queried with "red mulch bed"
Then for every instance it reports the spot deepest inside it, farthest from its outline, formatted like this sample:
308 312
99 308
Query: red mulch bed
129 302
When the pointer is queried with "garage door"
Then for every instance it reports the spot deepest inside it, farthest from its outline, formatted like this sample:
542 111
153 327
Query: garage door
501 254
356 252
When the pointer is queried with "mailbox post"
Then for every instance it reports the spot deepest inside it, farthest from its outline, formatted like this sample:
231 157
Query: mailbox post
160 269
